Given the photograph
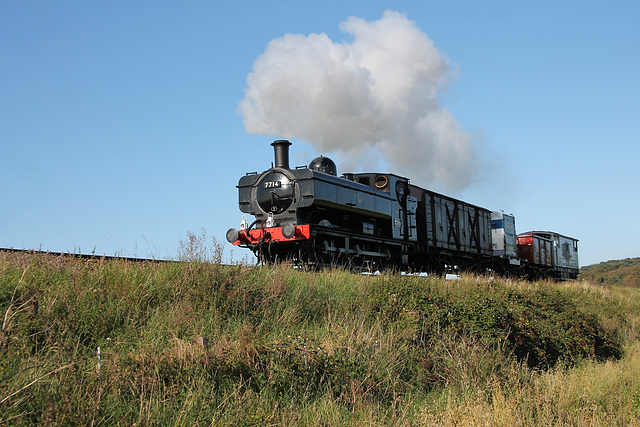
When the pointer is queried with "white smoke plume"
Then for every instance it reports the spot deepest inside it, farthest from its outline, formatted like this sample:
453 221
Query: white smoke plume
377 93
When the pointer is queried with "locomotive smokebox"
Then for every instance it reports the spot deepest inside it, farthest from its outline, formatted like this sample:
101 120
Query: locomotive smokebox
281 152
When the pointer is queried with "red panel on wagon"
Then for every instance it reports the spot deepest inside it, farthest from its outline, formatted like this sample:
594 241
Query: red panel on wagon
535 249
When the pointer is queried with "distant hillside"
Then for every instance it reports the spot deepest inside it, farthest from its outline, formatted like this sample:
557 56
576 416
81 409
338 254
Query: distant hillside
624 272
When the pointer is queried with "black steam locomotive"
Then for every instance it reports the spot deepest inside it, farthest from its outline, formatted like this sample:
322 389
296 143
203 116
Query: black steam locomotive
375 221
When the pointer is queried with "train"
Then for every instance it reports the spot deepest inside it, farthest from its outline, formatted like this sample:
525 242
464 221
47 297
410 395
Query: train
368 222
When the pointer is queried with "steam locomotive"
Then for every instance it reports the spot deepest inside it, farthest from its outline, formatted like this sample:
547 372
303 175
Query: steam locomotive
374 221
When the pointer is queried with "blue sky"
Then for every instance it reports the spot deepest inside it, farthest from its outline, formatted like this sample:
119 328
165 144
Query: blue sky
121 131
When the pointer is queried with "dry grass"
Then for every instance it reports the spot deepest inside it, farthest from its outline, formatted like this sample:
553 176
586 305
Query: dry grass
593 394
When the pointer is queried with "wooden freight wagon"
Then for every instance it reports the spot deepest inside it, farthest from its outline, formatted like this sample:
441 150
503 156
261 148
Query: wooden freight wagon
550 250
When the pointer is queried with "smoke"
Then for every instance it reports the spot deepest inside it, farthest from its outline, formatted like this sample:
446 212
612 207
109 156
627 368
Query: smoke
376 96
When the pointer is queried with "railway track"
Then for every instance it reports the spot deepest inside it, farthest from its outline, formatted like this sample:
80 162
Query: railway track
84 256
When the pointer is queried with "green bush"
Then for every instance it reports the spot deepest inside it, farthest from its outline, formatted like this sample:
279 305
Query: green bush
541 325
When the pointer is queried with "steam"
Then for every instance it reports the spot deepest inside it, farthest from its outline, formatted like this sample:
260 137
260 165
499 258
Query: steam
374 97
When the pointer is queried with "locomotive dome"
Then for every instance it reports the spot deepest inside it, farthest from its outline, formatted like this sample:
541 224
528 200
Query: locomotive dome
324 164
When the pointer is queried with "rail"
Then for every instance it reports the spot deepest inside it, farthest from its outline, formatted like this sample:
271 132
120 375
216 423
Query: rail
84 256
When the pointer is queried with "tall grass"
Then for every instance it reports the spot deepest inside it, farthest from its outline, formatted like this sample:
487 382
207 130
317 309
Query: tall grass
199 343
588 394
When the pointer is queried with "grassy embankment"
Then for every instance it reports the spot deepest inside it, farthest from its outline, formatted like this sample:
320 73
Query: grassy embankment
286 347
623 272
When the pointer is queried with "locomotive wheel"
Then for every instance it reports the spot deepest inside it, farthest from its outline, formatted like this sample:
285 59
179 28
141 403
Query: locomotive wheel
356 260
385 263
322 255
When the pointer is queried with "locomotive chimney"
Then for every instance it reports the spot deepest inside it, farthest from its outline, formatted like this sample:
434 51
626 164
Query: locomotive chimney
281 152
